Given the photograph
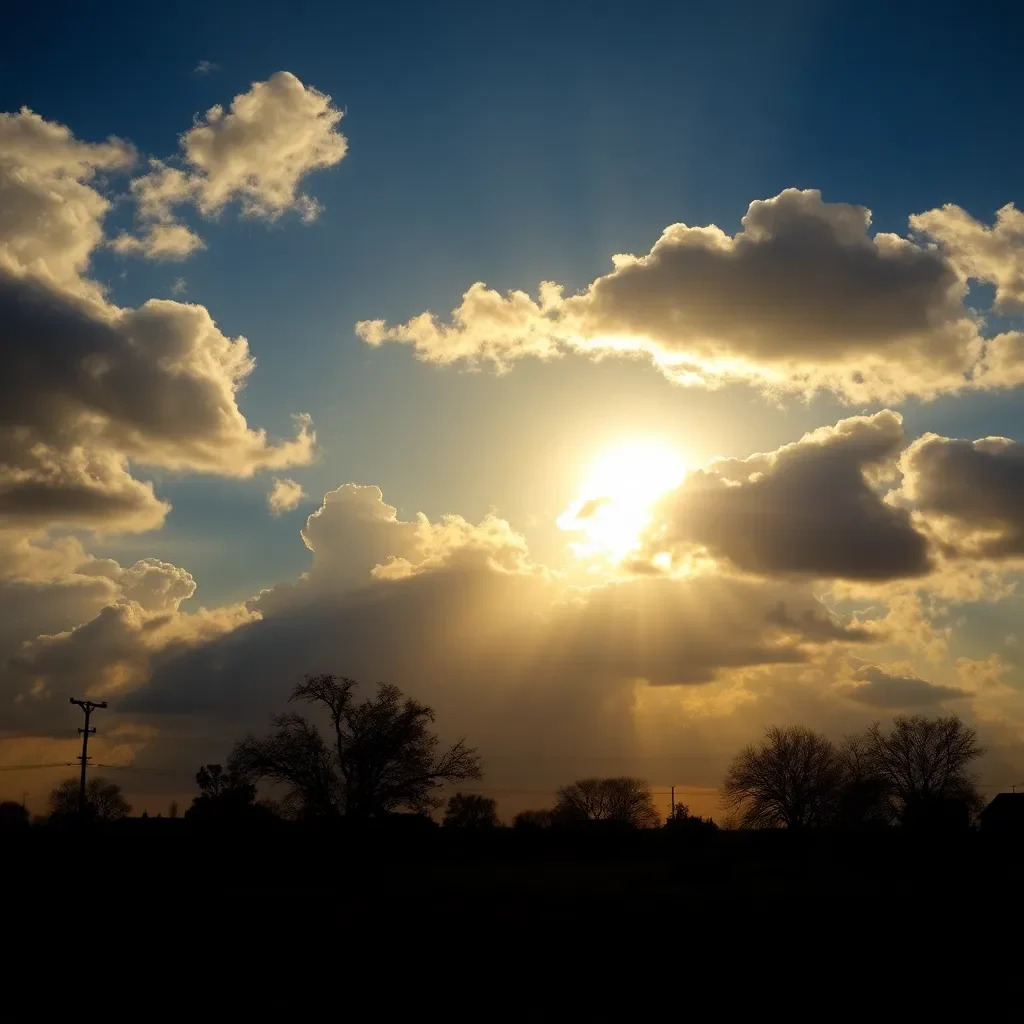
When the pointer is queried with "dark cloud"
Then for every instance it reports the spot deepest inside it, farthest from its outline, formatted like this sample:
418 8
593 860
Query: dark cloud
971 491
803 297
879 689
811 508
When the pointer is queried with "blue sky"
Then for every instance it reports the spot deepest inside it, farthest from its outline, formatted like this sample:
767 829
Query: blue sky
514 143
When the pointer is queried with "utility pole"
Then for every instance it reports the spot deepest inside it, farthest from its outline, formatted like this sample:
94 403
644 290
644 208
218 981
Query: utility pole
88 707
672 814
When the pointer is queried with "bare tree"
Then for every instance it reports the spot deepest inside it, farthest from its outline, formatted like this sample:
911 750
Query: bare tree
382 754
624 800
471 811
793 779
865 798
103 800
924 763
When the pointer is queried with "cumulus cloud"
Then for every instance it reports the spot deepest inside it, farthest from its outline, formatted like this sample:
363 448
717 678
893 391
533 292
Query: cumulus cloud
284 496
803 297
257 154
971 493
994 254
468 596
112 653
91 389
48 593
51 211
85 625
878 688
89 385
813 508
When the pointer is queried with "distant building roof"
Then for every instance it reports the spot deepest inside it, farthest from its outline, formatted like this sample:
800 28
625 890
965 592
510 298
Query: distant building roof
1004 814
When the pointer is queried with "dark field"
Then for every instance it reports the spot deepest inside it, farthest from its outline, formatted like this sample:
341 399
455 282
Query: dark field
291 910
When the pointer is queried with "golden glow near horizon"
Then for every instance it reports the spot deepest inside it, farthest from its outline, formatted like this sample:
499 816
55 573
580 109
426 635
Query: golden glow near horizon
614 502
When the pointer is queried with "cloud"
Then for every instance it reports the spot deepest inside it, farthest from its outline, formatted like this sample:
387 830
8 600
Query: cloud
468 595
284 496
970 493
812 508
179 287
56 602
205 67
874 686
802 298
994 254
91 389
51 213
89 385
164 241
110 654
426 605
257 154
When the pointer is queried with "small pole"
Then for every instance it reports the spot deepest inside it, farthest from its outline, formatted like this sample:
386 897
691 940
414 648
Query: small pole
88 707
672 814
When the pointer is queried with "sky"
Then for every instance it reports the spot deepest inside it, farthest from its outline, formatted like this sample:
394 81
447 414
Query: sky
619 379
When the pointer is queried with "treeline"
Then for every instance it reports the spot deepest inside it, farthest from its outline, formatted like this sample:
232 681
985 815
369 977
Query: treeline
380 758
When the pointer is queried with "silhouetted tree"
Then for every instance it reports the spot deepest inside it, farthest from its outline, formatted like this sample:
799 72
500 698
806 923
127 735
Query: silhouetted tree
534 819
923 763
472 811
103 800
864 799
172 811
223 796
13 816
382 754
626 801
792 779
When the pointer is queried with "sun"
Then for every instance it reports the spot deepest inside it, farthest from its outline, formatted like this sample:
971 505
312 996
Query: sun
614 502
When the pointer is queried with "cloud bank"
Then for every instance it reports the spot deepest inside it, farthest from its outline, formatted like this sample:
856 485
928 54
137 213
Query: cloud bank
803 298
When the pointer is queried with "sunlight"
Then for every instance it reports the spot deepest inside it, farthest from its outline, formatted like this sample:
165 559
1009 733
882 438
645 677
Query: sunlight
613 505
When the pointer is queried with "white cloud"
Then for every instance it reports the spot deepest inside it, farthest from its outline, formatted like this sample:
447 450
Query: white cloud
51 211
257 154
284 496
205 67
994 254
170 241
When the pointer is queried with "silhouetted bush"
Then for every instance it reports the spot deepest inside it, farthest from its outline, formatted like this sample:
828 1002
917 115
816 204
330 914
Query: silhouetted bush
103 801
471 811
532 820
623 801
13 817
